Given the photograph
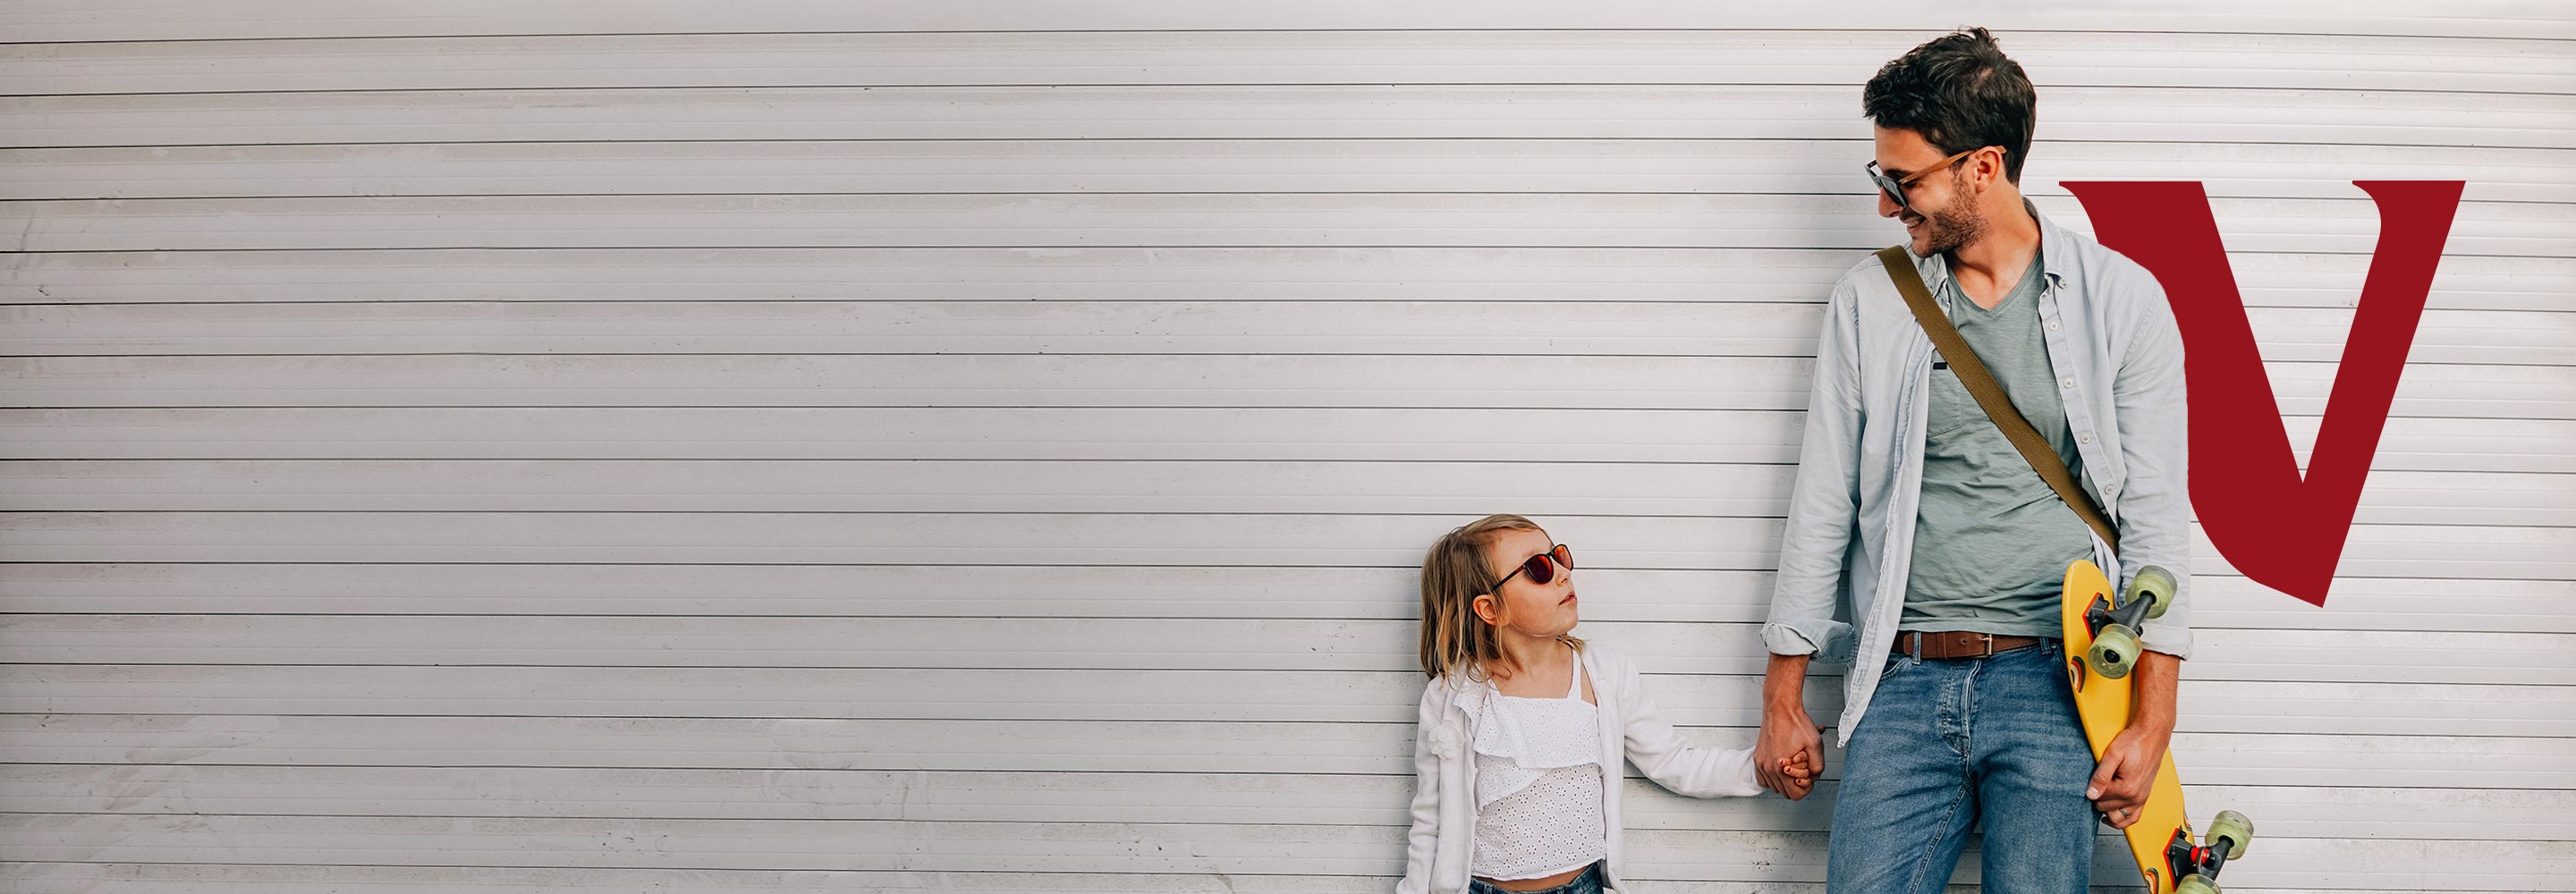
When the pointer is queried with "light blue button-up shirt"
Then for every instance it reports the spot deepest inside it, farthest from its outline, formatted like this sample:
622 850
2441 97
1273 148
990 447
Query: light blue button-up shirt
1844 555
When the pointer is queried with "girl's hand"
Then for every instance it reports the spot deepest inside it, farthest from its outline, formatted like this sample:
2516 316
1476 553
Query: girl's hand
1794 770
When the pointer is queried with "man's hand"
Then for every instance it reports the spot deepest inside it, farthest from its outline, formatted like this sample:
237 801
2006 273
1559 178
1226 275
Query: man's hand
2127 771
1789 740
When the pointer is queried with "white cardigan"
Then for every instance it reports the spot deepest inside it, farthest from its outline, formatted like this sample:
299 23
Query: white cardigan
1444 796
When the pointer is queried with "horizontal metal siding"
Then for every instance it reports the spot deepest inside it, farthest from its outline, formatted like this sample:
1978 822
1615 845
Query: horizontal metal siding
982 447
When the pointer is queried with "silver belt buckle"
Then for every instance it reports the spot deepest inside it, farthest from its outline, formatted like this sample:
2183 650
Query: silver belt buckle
1990 645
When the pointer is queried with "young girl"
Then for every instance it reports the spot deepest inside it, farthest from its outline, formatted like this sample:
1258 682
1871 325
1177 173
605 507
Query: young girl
1523 726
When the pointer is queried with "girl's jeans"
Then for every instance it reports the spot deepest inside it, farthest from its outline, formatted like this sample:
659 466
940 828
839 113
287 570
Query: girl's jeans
1587 883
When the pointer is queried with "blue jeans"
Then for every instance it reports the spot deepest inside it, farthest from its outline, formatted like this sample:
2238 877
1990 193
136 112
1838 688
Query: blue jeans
1587 883
1947 742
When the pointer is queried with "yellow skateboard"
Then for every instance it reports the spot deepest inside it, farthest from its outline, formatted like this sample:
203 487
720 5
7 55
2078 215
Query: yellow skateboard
2101 648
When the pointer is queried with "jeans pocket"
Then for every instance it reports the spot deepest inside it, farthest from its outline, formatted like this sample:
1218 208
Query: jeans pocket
1896 663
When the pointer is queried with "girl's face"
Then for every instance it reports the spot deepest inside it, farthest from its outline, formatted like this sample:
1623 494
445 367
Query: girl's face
1524 605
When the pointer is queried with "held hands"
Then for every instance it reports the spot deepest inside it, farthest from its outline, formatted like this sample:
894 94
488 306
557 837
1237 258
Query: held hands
1788 756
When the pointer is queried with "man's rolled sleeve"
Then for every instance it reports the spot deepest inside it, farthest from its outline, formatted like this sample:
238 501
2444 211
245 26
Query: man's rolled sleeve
1825 497
2149 398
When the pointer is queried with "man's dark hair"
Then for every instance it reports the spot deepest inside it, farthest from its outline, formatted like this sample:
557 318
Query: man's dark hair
1960 92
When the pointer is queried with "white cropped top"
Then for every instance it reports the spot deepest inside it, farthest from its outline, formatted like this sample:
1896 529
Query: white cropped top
1539 785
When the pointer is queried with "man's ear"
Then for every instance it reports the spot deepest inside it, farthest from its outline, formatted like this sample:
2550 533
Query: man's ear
1988 167
1485 608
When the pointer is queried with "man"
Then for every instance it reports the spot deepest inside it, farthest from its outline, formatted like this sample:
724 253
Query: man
1944 547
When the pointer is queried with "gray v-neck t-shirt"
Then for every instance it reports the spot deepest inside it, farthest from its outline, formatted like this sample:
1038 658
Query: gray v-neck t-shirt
1991 540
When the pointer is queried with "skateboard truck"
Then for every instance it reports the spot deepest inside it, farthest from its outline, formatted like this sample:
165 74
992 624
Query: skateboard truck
2195 867
2115 648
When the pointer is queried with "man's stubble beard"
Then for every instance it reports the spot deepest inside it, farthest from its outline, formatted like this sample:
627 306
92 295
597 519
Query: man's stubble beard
1955 227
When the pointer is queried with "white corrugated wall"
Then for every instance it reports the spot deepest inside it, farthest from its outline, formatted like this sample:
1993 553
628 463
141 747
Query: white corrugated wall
510 447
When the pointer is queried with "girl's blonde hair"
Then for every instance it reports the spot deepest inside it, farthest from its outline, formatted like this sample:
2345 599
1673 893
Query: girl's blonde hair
1454 573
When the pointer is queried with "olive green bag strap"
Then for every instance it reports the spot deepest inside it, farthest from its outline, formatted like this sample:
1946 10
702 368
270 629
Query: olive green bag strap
1981 385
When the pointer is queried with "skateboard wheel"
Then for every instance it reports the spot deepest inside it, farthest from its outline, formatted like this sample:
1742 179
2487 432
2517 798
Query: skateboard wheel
2193 884
2114 652
2154 584
2230 832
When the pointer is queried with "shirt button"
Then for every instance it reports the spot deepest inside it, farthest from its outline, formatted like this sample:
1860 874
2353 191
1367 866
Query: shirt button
2052 327
2068 381
2084 439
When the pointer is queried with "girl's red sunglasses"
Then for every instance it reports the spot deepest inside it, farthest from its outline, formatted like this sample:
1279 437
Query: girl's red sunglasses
1538 567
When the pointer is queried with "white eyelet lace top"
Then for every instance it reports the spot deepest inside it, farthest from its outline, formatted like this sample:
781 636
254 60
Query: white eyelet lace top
1538 785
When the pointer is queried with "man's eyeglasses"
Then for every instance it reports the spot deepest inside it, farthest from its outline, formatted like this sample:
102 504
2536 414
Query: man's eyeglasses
1540 571
1894 189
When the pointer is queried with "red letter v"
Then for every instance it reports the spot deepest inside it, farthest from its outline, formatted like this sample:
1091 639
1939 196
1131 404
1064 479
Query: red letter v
2284 532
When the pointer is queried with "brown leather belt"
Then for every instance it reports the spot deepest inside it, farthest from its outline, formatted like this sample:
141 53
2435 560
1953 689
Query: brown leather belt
1957 644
